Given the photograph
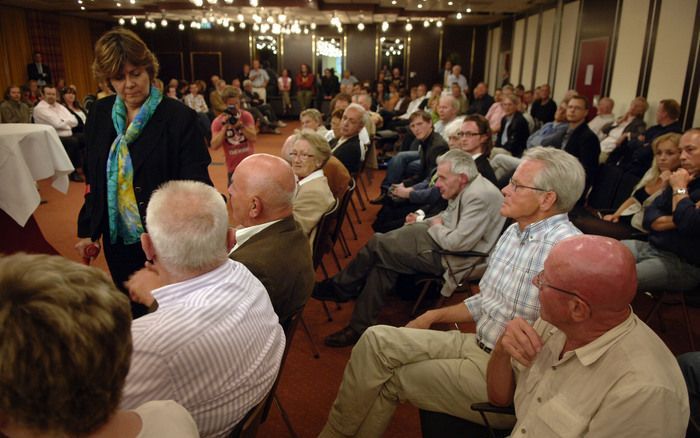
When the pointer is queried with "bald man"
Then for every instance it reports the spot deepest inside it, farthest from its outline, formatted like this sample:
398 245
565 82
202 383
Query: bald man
269 242
588 366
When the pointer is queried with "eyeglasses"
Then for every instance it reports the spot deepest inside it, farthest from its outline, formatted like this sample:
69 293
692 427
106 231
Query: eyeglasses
468 134
539 282
517 186
302 157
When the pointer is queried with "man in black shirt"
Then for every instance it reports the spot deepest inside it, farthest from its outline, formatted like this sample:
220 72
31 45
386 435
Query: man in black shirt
543 108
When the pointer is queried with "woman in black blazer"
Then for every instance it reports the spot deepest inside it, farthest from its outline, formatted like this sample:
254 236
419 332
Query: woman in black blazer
159 140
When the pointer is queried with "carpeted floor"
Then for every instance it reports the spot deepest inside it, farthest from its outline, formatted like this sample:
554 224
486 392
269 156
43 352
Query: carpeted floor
308 386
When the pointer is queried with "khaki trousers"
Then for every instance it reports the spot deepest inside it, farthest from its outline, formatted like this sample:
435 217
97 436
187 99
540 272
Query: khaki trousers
432 370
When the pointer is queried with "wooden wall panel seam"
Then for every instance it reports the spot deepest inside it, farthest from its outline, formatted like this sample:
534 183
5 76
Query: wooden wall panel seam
692 76
537 51
522 51
577 43
612 52
649 46
554 50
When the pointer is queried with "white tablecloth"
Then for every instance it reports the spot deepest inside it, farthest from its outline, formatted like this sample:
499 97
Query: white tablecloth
28 153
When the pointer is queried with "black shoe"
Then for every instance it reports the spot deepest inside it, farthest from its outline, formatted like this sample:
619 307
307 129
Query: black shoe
379 199
327 291
75 177
344 338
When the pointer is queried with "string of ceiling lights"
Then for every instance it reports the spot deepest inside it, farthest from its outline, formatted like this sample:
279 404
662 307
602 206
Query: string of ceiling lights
262 22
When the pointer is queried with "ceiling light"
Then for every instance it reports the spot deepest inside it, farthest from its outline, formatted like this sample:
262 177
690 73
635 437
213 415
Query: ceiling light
122 21
409 27
257 18
397 41
133 2
240 17
439 23
340 29
360 26
228 2
242 25
312 26
281 18
197 3
426 23
80 2
254 3
231 28
211 2
469 10
306 30
82 8
256 27
393 2
459 15
133 20
270 19
385 26
119 5
450 3
164 22
420 5
181 26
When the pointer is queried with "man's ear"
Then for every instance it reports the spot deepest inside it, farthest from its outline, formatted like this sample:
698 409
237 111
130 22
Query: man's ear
230 239
147 245
548 201
579 310
255 207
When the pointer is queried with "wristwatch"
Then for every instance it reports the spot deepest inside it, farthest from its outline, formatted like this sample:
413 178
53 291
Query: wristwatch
680 192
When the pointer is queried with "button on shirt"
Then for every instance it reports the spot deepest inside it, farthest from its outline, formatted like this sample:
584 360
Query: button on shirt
625 383
214 345
506 289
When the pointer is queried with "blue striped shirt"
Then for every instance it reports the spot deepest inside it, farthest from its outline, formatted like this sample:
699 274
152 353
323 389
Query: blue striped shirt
506 289
214 345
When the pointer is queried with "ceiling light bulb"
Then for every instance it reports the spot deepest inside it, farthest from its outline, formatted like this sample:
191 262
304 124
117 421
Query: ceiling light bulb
181 26
228 2
439 23
270 19
409 27
306 30
385 26
122 21
256 27
469 10
231 28
426 23
459 15
133 20
281 18
254 3
133 2
242 25
450 3
211 2
360 26
164 22
420 5
119 5
198 3
82 8
312 26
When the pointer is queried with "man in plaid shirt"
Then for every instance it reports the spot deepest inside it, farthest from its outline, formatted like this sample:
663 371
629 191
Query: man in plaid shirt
446 371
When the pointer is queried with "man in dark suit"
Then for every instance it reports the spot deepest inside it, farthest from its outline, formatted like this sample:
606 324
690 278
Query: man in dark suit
268 240
347 148
38 71
515 131
482 100
580 141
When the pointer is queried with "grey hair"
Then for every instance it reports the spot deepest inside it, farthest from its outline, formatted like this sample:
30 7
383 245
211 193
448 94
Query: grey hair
455 102
361 109
319 145
188 223
313 114
453 127
562 174
460 162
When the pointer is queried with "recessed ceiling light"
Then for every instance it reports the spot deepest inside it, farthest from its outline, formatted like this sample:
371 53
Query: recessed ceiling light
459 15
469 10
449 3
393 2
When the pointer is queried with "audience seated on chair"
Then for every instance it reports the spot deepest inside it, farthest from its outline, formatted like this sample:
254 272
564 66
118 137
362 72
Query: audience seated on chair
629 126
214 344
514 127
579 140
66 342
589 366
347 148
12 109
269 242
444 371
670 259
470 222
543 108
603 117
482 100
309 153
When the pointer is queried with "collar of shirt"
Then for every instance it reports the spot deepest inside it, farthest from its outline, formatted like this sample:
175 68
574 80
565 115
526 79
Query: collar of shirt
244 234
536 230
312 176
173 293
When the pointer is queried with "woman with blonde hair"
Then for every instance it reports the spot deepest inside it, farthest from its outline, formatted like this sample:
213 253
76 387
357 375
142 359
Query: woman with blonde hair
136 140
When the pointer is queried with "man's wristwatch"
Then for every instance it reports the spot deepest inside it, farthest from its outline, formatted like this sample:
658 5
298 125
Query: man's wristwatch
680 192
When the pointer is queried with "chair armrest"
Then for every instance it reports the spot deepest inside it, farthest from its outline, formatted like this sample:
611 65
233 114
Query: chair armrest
488 407
461 253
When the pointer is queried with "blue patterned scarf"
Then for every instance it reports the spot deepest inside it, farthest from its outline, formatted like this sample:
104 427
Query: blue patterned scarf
122 210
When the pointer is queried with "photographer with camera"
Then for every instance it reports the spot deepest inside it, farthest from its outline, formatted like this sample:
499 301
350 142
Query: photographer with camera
234 129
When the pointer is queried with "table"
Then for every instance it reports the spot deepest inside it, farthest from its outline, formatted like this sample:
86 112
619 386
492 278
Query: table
28 153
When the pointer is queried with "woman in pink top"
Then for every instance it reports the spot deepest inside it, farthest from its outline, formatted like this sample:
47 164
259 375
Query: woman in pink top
284 83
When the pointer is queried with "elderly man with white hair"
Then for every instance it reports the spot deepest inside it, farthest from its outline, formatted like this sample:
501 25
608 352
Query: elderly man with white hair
348 148
214 344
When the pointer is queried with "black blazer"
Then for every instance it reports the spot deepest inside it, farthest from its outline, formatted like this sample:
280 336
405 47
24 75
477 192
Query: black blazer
33 73
584 145
171 147
518 132
349 153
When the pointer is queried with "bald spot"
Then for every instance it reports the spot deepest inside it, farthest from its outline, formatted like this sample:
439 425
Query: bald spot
602 270
270 179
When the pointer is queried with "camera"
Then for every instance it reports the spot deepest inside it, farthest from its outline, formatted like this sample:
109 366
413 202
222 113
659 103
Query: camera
232 111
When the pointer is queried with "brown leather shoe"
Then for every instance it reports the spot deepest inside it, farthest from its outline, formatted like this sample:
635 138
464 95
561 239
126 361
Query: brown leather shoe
343 338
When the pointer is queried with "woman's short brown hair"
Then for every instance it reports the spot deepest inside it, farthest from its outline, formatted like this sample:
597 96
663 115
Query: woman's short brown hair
319 145
116 48
65 344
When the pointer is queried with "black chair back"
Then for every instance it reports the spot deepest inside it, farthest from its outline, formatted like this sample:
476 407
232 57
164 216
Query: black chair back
322 241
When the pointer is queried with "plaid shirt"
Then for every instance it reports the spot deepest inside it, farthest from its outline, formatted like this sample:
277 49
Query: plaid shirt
506 287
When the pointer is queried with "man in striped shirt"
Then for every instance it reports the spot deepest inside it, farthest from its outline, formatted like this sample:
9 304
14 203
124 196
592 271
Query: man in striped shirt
214 344
445 371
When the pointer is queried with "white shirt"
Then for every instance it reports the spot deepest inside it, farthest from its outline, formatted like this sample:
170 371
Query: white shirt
598 122
243 234
55 115
214 345
412 107
165 418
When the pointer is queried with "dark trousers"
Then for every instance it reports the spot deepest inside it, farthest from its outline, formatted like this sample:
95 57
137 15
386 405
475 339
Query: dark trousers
372 274
74 147
123 260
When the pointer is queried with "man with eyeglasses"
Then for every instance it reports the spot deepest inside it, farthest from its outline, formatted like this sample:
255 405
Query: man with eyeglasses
579 140
589 366
445 371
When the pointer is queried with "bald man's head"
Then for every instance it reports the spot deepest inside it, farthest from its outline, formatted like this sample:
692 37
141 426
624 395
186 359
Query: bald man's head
600 270
262 190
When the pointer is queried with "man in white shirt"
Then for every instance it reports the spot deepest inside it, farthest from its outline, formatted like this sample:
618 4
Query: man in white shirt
259 77
214 344
589 366
448 108
457 77
605 116
50 112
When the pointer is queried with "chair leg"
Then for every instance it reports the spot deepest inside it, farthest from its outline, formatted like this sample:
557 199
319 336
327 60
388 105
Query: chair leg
314 350
363 207
352 227
335 258
354 208
323 268
344 244
285 417
420 298
492 434
328 312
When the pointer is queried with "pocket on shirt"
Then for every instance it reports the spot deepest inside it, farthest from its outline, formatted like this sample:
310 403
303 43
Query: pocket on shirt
562 418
